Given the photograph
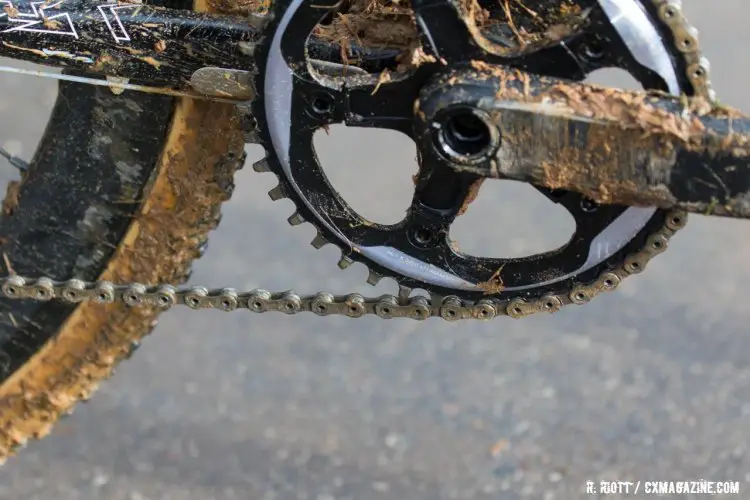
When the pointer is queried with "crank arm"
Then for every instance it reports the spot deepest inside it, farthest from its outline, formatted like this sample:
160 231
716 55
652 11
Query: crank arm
613 146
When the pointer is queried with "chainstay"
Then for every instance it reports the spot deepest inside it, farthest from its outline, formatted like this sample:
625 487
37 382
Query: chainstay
355 305
352 305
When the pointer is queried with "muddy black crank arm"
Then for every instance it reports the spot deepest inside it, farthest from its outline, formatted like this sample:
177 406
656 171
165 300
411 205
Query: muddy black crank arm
613 146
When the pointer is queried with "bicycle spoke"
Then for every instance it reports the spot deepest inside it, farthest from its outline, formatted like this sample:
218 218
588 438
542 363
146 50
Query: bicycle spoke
15 161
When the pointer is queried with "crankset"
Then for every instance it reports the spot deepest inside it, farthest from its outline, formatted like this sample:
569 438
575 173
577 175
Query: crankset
486 90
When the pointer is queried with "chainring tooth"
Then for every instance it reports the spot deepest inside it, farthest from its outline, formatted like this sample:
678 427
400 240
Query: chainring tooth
373 278
686 40
277 193
295 219
449 308
262 166
345 262
319 241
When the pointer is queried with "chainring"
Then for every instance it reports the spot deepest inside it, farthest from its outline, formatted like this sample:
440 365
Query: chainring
647 38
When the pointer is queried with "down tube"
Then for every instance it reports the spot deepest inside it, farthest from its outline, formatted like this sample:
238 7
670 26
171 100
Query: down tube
149 45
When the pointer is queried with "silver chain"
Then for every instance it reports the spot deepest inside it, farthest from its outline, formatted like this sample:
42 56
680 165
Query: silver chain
355 305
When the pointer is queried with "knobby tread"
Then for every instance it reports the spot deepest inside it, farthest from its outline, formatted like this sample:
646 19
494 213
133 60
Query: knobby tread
179 206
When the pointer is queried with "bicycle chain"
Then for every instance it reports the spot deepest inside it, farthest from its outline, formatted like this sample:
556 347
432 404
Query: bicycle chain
355 305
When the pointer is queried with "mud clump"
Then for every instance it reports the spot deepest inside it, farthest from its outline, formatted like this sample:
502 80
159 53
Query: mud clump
239 7
371 24
390 24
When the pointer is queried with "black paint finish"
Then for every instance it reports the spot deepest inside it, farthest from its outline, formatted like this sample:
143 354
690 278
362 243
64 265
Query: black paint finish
148 44
365 101
84 185
668 152
83 188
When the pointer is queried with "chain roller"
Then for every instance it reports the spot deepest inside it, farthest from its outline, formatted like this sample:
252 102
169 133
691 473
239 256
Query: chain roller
355 305
352 305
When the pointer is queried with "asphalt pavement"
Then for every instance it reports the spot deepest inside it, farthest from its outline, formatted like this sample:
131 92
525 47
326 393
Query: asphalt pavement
649 383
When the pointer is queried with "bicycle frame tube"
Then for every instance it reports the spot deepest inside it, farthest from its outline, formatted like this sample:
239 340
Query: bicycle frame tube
145 44
703 165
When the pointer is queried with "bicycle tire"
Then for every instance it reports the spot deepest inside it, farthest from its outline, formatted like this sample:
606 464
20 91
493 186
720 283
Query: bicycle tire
122 187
